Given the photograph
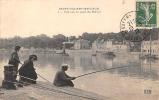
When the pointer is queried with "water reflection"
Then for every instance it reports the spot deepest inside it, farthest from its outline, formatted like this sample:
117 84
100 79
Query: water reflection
85 62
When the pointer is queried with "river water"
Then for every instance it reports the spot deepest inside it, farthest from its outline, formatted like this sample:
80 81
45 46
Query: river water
131 82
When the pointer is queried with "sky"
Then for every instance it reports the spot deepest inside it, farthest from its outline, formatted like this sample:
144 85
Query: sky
33 17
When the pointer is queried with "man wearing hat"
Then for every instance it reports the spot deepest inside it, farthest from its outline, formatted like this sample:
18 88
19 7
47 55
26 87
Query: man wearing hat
62 79
27 71
14 60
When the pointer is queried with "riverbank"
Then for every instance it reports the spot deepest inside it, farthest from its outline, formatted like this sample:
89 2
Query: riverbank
46 91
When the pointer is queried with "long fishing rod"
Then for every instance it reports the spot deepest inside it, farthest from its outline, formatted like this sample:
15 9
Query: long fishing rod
100 71
81 76
87 73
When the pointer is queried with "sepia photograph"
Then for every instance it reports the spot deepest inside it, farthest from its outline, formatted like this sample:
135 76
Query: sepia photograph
79 49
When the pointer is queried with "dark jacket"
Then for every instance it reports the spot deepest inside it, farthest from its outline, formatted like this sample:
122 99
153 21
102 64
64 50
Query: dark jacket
62 79
28 70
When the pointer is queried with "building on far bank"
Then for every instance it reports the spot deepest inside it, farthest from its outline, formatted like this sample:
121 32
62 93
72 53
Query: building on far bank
145 47
120 47
98 45
109 45
81 44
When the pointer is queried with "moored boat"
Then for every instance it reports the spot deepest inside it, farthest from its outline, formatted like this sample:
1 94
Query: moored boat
94 54
148 56
109 54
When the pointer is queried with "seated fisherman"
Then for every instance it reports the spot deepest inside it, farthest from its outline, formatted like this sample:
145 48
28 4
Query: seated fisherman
62 79
27 71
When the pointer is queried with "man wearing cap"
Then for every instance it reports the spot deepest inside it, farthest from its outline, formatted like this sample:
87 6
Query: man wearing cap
62 79
27 71
14 60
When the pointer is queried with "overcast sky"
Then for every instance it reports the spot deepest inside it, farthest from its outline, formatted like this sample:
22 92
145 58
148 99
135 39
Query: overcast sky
33 17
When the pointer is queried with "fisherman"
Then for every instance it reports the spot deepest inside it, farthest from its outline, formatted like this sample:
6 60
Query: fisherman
62 79
14 60
27 71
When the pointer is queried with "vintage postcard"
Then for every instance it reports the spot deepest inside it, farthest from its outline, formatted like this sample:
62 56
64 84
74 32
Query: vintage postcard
79 49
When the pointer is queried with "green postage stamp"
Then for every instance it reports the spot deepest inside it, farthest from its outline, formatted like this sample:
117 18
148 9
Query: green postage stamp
146 15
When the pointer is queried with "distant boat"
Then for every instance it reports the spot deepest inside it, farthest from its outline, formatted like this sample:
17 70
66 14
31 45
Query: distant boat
62 53
148 56
65 54
109 54
94 54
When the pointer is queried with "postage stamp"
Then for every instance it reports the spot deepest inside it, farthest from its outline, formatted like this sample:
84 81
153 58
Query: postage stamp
135 25
129 29
146 14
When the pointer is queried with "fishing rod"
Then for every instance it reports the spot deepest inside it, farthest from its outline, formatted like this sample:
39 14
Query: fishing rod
87 73
100 71
79 77
37 74
27 78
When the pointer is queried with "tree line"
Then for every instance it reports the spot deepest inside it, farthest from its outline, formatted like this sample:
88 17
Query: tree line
44 41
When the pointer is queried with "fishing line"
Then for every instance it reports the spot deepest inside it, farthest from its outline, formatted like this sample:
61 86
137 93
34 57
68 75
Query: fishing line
84 74
44 78
27 78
